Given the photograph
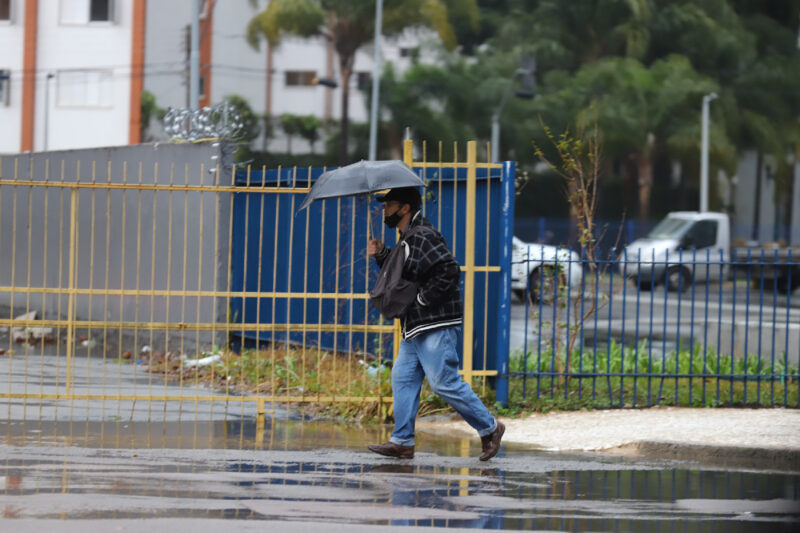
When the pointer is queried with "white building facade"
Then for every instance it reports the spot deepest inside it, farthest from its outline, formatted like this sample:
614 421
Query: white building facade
68 74
72 72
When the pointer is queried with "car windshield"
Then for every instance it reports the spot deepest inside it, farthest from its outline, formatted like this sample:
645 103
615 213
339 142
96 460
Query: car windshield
669 228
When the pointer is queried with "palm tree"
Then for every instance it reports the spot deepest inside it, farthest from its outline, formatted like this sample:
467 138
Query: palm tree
349 26
767 101
433 100
638 110
566 35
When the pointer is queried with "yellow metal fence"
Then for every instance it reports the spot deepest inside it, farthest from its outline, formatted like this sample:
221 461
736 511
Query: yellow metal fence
116 288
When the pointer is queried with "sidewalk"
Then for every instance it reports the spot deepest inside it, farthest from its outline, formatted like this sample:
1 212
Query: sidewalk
764 436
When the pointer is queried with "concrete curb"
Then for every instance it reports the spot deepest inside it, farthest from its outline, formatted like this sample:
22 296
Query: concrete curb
747 456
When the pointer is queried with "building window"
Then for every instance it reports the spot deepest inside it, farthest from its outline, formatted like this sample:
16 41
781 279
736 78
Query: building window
5 10
363 80
84 88
409 51
5 86
86 11
296 78
99 10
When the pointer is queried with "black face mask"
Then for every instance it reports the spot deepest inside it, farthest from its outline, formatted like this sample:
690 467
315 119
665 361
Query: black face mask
392 220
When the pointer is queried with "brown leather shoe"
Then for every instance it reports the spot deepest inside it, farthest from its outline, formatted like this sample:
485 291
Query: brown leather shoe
390 449
491 443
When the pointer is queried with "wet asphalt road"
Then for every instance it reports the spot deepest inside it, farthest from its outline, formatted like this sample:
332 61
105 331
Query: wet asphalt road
96 466
297 476
665 317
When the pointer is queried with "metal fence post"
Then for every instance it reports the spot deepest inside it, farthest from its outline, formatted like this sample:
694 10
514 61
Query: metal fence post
469 260
73 231
504 314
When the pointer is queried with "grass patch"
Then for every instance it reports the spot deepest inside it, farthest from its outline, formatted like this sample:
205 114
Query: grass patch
350 387
325 383
640 378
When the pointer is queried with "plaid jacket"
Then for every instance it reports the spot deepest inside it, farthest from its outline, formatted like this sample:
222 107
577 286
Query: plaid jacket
430 263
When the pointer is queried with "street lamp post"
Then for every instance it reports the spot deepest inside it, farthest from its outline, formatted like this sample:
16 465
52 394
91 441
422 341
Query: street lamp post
704 152
526 75
496 125
46 132
376 83
194 58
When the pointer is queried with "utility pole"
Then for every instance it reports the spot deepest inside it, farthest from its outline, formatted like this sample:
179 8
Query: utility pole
194 58
376 82
187 50
525 73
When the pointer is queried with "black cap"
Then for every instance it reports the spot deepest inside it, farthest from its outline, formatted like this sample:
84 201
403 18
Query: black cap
404 195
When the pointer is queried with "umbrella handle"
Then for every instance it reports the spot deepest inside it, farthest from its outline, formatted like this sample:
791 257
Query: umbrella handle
371 226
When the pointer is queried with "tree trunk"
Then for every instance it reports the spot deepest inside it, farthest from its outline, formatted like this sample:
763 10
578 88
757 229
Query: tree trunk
644 169
574 213
346 70
330 54
788 207
268 96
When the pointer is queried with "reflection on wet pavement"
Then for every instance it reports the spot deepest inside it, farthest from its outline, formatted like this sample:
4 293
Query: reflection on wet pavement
317 472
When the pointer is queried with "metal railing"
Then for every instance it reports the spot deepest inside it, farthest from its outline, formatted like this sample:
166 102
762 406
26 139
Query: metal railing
686 328
126 287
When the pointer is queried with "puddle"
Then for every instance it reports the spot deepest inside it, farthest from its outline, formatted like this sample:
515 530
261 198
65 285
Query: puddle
398 494
239 435
301 472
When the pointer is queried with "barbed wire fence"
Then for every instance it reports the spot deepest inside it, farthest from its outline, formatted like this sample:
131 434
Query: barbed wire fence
220 121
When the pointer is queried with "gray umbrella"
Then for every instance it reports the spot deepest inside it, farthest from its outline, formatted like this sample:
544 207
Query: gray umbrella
362 178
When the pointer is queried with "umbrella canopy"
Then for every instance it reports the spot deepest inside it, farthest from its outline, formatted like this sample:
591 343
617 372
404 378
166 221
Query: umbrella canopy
363 177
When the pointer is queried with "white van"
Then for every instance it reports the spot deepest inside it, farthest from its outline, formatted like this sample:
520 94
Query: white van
685 246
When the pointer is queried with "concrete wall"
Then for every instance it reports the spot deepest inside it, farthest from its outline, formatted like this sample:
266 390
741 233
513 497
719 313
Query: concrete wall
744 205
127 239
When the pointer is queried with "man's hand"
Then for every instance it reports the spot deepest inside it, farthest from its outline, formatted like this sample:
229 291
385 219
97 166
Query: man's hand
374 247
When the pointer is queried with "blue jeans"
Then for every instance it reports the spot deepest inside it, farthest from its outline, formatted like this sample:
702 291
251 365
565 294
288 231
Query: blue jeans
433 355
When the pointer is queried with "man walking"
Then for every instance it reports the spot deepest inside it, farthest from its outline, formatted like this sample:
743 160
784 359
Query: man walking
431 325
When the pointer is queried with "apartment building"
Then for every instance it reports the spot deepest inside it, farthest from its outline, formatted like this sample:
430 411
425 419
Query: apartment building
72 72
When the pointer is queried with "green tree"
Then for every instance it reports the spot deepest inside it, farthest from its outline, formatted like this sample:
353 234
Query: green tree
640 110
249 127
291 125
766 96
267 128
565 35
150 109
745 50
431 101
308 128
348 26
750 48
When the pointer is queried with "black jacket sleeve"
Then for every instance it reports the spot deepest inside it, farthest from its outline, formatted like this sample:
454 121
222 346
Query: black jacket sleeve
433 266
382 255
